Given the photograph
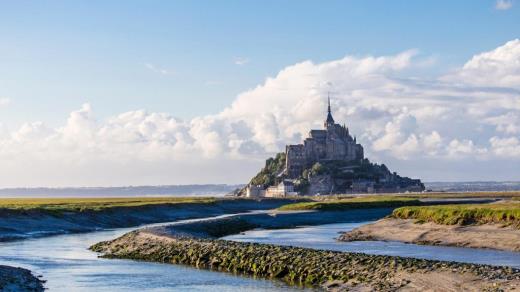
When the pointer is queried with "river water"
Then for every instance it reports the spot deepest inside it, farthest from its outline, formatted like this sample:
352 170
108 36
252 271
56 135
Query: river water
67 265
323 237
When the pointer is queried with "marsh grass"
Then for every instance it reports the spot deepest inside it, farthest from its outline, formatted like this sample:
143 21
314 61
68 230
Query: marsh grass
353 203
94 204
458 195
502 213
514 195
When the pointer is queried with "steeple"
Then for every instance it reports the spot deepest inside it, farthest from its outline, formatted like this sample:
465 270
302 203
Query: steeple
330 120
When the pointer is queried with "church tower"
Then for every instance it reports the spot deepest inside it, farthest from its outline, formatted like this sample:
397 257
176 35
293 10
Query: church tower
329 121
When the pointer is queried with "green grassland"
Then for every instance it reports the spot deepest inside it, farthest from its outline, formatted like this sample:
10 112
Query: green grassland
94 204
515 195
352 203
507 213
457 195
337 202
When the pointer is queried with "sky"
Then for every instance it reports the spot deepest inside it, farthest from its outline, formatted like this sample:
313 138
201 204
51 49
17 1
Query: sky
109 93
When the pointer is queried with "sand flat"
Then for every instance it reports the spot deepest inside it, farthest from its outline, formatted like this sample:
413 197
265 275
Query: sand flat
493 236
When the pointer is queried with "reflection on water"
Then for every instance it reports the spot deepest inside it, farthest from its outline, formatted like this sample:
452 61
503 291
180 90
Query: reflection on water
67 265
323 237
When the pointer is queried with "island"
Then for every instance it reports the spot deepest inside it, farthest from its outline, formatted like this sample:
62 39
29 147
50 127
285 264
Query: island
330 161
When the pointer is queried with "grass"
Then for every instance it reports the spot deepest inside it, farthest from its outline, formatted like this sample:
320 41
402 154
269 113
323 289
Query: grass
457 195
352 203
93 204
515 195
503 213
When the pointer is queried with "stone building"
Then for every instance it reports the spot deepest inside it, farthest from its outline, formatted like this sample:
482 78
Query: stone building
283 189
253 191
334 142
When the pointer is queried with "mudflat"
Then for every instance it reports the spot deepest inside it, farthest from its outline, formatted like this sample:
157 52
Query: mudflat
26 218
18 279
493 235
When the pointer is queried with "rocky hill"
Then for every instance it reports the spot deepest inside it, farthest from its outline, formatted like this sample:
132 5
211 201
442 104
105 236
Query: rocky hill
337 176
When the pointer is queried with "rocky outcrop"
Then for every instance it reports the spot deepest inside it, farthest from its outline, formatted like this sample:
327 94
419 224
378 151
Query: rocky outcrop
335 177
17 279
321 184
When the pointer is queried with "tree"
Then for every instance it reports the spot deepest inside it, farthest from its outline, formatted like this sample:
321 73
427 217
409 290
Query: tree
317 169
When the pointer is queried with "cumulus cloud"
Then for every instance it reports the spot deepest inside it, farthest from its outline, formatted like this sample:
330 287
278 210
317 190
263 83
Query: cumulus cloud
499 67
507 147
503 4
465 118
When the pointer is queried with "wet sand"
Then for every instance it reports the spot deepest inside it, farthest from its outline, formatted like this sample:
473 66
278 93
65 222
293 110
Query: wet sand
493 236
22 224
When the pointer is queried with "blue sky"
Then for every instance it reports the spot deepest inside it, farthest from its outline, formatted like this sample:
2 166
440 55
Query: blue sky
161 92
57 55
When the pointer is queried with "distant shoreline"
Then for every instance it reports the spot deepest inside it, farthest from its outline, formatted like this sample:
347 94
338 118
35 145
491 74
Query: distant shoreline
121 191
216 190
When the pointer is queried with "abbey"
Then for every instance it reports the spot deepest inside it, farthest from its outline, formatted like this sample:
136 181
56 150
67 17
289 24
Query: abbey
334 142
329 161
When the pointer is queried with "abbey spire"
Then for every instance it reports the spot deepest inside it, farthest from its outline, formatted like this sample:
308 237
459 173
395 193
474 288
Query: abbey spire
330 121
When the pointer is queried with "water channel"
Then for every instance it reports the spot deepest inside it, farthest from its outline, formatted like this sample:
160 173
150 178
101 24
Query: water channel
67 265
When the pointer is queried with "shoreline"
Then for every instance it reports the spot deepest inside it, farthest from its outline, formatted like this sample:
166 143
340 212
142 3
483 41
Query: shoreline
54 218
198 245
19 224
14 279
490 236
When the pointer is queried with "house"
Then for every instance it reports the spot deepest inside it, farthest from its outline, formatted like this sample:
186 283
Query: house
253 191
283 189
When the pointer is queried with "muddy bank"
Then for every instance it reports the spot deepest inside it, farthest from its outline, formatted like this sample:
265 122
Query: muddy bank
17 279
309 267
493 236
25 223
21 224
220 227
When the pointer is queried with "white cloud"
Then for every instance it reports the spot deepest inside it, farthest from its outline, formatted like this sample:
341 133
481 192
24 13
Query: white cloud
240 61
503 4
508 123
499 67
4 101
156 69
506 147
459 149
458 119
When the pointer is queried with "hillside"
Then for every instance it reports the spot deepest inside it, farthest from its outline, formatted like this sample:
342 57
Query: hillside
336 176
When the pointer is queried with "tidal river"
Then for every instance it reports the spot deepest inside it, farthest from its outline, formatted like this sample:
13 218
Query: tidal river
67 265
